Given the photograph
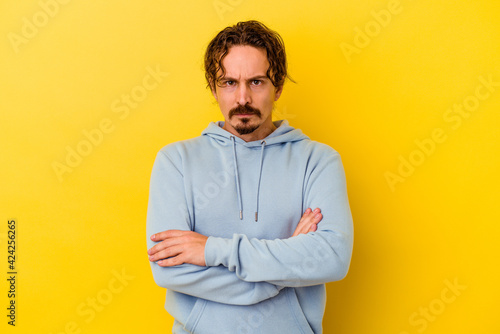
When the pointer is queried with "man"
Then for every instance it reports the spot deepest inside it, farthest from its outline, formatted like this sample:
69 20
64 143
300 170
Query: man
232 233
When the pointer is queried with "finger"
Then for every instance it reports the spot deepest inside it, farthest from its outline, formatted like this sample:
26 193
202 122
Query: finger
307 214
169 242
302 223
306 217
167 234
312 224
170 262
182 256
308 223
165 253
166 239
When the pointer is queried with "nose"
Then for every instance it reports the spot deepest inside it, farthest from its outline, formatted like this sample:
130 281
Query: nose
243 95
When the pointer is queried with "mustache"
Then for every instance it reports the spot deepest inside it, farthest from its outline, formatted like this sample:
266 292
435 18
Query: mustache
244 110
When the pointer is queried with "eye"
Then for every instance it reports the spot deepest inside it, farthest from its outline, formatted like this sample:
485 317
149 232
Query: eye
257 82
229 82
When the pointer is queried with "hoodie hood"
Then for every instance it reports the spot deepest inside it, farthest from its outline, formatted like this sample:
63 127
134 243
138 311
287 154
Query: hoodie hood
284 133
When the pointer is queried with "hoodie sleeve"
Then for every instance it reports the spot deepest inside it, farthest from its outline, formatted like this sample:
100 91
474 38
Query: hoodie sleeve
167 210
307 259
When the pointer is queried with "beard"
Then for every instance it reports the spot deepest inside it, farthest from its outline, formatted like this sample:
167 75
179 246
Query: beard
244 128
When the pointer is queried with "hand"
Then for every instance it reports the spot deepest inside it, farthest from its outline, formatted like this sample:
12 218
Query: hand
177 247
308 222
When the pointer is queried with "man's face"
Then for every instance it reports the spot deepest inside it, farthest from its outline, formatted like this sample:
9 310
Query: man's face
245 94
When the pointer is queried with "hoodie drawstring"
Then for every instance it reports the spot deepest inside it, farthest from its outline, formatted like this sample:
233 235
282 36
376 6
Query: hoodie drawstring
236 175
237 178
262 145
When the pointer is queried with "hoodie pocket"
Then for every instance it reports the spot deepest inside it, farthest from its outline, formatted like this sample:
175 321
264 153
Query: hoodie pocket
296 309
280 314
195 315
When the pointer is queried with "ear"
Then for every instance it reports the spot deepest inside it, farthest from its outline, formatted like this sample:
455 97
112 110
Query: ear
277 95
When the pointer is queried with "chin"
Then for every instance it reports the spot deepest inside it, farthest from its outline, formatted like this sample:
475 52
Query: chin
245 128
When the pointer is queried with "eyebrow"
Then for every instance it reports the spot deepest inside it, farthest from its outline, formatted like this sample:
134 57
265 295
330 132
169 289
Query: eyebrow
257 77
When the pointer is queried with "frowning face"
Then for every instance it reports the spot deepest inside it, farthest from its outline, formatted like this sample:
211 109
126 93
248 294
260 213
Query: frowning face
245 94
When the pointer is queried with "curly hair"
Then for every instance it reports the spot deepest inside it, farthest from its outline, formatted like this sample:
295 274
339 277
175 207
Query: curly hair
252 33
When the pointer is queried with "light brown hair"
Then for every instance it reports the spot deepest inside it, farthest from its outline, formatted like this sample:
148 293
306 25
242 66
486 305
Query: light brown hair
252 33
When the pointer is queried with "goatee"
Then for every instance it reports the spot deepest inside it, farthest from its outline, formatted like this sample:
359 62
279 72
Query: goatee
244 128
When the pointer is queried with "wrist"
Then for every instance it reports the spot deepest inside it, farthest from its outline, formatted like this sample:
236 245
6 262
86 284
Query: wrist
216 250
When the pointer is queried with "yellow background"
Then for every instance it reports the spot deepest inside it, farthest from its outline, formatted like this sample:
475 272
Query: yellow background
77 231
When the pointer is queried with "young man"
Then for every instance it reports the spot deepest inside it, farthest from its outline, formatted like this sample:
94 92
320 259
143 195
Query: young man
247 222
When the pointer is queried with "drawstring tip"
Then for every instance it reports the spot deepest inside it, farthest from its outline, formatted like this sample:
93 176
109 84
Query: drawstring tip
241 215
256 216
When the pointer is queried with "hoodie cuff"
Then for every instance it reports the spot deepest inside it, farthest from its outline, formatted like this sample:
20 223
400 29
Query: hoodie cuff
217 251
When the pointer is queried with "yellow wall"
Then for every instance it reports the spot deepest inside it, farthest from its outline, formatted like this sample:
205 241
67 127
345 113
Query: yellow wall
407 91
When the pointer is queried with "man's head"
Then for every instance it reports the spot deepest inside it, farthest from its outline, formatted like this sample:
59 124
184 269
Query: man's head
246 68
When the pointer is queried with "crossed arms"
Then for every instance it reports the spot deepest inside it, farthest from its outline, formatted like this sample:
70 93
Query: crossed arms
241 270
177 247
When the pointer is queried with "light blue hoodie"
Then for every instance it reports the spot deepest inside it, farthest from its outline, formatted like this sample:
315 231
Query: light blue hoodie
248 198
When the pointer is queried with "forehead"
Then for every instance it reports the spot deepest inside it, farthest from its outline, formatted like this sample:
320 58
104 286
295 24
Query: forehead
245 61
